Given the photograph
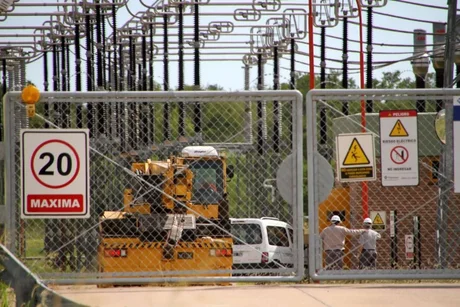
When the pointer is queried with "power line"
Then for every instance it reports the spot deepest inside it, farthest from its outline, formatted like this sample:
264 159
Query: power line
402 17
423 5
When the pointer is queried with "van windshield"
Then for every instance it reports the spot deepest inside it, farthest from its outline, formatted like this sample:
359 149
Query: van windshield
249 233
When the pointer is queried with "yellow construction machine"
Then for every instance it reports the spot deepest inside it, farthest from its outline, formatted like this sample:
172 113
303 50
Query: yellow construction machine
175 218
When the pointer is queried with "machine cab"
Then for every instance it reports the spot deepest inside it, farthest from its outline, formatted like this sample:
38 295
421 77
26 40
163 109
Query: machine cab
208 174
209 184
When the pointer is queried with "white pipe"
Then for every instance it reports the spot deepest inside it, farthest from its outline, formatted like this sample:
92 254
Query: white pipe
269 186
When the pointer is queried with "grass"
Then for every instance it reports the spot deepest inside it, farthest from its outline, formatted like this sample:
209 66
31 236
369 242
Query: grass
6 296
34 234
34 248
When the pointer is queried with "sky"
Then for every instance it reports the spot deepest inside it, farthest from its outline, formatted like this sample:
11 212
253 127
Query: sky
224 66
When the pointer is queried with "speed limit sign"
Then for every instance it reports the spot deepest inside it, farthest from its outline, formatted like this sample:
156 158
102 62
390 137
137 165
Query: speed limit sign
55 173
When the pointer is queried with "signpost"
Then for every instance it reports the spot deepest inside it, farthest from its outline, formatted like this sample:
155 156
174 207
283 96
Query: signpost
399 148
355 157
55 173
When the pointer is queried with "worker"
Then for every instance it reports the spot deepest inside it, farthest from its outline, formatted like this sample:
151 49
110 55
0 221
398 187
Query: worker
368 242
333 238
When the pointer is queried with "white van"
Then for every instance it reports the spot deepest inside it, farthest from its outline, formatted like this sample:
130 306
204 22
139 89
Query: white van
267 242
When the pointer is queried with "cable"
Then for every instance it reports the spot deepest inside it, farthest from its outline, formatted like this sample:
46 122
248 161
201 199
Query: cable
376 43
403 17
423 5
383 28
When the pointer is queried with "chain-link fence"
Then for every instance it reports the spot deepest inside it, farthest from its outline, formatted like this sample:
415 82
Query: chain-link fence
389 164
196 186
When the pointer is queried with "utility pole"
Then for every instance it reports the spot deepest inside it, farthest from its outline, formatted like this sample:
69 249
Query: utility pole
445 183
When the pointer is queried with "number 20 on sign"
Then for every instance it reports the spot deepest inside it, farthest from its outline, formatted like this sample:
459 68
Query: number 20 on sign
55 173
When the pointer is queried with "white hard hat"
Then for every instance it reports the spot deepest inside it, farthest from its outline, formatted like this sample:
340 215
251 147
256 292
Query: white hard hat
367 221
335 218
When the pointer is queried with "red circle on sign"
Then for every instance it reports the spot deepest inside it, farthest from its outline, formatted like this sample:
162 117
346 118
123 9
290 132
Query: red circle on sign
400 155
34 173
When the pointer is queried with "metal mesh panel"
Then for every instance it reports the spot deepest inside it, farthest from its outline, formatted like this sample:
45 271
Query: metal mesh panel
161 208
416 223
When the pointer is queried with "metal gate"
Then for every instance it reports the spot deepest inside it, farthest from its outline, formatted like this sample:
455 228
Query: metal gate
259 134
404 184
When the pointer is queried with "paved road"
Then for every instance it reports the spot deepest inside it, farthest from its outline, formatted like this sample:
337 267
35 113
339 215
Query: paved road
331 295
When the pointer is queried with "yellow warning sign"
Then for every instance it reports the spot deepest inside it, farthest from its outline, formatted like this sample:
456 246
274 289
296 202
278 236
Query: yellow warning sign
398 129
378 220
355 155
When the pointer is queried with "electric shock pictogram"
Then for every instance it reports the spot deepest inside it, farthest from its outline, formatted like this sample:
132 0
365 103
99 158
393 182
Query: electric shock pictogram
355 155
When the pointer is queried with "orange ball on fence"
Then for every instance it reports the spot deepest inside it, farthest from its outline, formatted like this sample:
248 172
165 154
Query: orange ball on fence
30 94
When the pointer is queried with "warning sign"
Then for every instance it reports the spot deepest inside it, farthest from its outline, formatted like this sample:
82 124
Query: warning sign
355 154
356 157
409 246
399 148
398 130
378 220
399 155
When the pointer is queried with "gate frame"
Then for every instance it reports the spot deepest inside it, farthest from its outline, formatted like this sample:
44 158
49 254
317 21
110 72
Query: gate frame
311 134
11 99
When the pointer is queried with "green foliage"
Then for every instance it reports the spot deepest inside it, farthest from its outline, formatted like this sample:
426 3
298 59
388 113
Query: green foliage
389 80
209 87
157 86
333 81
393 80
5 296
221 120
214 87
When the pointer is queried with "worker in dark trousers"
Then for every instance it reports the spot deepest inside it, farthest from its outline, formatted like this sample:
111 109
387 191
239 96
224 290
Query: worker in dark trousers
368 241
333 238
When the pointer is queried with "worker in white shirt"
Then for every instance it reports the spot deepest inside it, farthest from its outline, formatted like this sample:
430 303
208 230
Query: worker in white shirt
333 238
368 241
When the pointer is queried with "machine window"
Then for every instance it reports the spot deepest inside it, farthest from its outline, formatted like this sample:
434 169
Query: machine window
249 233
277 236
207 182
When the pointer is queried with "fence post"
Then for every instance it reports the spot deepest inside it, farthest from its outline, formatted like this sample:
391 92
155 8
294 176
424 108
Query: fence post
394 238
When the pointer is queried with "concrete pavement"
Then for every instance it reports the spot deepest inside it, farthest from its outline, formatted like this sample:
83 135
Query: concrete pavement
316 295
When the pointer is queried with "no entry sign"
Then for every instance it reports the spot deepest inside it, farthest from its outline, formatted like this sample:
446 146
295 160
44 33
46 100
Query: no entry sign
55 173
399 155
399 147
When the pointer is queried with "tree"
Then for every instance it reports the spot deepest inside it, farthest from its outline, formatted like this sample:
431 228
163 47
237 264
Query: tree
214 87
393 80
209 87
